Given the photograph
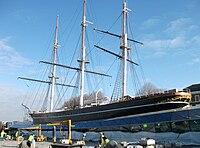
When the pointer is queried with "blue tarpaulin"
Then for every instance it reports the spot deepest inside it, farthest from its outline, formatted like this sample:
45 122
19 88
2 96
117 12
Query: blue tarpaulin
155 117
168 116
21 125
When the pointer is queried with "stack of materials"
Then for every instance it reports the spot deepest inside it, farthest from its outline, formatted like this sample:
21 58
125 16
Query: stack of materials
147 142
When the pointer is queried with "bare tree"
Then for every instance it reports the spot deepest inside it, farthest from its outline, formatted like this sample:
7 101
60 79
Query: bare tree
147 89
1 125
74 102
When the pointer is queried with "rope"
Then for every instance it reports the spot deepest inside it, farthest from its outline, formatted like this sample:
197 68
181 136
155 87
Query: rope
44 105
103 35
117 91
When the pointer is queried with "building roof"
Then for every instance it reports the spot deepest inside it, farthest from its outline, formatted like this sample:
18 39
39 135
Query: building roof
17 125
193 87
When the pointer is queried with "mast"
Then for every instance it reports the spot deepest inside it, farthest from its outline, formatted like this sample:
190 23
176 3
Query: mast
52 80
82 62
53 77
124 48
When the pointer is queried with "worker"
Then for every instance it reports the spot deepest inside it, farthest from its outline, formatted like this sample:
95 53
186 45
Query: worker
105 142
84 136
101 140
145 125
31 141
9 135
16 134
3 134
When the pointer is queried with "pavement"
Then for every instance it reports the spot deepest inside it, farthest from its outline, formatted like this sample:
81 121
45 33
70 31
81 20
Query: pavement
15 144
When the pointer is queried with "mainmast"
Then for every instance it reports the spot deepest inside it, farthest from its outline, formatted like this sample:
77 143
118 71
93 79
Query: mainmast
124 47
53 77
82 61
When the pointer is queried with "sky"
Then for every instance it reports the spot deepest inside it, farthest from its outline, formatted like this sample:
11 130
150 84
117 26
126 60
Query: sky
169 29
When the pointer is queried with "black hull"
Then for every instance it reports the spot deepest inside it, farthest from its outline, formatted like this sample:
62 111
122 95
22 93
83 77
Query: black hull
109 111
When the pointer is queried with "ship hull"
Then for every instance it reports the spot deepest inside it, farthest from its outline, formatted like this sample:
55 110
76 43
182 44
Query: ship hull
109 111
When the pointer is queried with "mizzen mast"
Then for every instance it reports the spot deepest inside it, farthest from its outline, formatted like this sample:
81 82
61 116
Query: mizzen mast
82 61
125 48
53 77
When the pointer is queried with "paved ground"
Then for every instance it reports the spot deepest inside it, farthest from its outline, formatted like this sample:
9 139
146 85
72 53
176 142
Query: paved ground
15 144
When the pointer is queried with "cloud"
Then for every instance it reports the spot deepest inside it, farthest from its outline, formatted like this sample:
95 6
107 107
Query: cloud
196 40
197 60
150 23
11 108
177 24
179 37
161 47
12 98
181 26
9 57
194 61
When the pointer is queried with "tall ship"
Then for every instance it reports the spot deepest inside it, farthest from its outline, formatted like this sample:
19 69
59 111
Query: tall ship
118 107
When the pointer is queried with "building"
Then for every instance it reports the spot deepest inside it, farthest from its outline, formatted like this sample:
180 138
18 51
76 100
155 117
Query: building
195 91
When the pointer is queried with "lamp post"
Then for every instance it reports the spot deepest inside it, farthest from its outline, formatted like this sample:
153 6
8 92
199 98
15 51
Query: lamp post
97 94
83 98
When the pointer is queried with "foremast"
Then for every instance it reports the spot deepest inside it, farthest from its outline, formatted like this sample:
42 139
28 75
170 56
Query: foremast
53 77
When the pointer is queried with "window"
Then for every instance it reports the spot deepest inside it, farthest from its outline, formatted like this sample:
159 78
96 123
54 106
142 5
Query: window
163 127
196 98
180 127
195 125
